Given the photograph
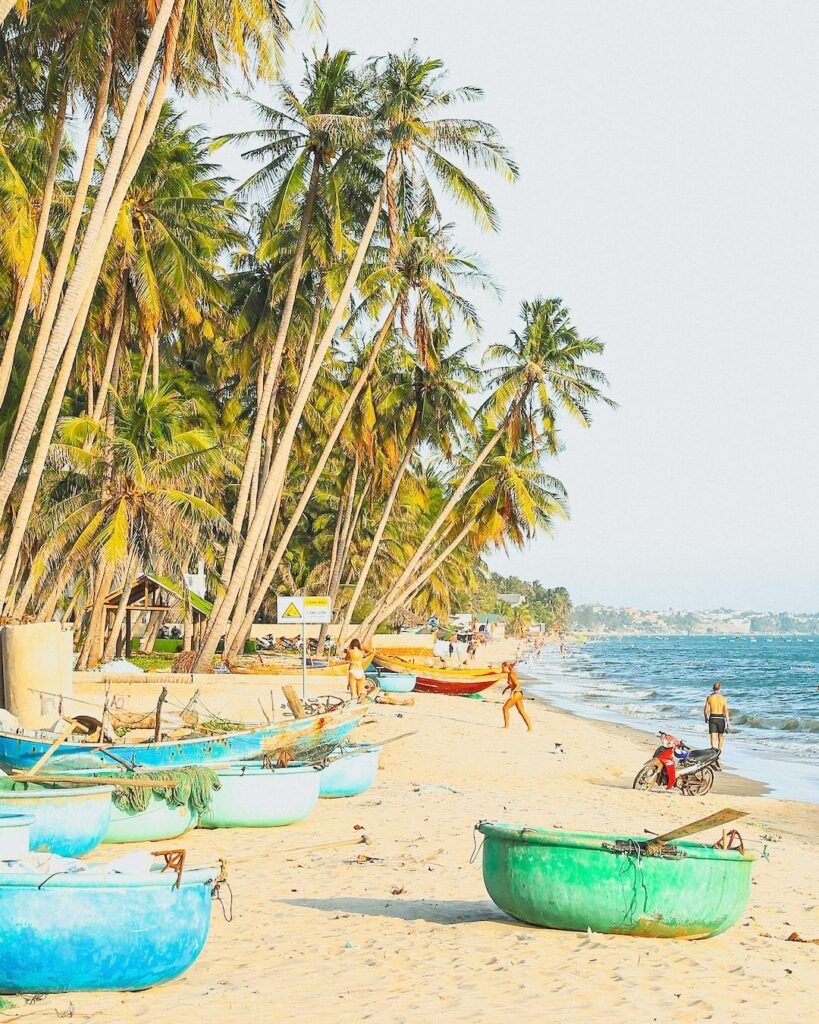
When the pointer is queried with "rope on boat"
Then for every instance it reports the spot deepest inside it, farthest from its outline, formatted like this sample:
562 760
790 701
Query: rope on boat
191 786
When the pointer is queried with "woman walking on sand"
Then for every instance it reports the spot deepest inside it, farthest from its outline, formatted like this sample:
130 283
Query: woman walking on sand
515 695
355 673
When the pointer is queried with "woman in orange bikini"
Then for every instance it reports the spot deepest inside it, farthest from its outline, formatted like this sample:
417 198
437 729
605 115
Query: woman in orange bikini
355 674
515 695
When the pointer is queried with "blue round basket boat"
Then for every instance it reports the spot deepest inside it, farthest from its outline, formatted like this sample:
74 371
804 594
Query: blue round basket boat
351 772
86 931
70 821
396 682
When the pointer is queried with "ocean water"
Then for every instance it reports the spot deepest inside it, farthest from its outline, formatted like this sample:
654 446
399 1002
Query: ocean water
661 682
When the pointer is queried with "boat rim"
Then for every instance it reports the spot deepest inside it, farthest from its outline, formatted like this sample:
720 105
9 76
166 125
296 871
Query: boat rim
50 789
156 878
597 840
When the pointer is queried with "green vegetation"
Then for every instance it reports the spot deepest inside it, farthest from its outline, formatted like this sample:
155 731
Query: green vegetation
551 606
284 379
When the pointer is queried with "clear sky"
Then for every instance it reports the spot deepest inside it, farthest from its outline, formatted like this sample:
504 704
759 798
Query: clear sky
669 195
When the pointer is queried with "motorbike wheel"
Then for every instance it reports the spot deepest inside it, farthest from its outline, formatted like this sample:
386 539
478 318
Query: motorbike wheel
699 783
648 777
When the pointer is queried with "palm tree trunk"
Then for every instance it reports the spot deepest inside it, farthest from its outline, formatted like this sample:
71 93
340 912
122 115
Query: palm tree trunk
33 270
49 606
110 358
92 648
113 187
321 291
155 361
364 572
143 373
223 608
38 461
110 651
155 621
386 608
347 500
22 601
318 469
70 236
5 9
446 511
253 456
89 383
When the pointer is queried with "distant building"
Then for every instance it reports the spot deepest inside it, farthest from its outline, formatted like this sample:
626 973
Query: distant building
513 600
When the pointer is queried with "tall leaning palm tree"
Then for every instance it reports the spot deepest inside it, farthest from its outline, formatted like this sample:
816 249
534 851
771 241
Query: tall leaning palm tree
297 143
538 375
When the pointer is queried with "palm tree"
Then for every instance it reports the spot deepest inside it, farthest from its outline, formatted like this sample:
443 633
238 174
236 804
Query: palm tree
298 143
407 96
536 376
170 233
210 32
134 498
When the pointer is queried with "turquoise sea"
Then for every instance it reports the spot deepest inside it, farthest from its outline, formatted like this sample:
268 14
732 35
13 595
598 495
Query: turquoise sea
661 682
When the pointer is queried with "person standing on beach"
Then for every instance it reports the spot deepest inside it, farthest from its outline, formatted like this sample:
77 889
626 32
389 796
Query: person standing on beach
355 673
717 716
515 695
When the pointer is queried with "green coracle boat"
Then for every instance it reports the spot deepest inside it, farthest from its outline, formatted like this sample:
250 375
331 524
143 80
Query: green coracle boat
607 883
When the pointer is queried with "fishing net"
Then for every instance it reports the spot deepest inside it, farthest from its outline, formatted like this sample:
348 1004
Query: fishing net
192 786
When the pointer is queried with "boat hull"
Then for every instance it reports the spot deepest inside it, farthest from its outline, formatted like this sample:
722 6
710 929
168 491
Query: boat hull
351 773
252 796
90 932
455 688
70 822
417 668
306 738
159 820
569 880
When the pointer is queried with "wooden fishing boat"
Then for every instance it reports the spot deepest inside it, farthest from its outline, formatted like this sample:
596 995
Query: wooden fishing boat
70 822
428 668
349 772
609 883
442 681
335 667
311 738
252 796
91 931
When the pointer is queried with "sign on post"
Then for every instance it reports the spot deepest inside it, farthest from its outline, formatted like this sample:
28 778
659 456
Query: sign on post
309 611
303 611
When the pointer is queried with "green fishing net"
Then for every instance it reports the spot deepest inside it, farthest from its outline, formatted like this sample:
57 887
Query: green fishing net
192 786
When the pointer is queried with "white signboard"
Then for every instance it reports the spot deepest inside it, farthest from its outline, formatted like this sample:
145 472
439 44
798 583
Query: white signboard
303 610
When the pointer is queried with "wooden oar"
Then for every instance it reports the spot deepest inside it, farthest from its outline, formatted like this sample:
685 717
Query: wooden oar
94 780
392 739
60 740
700 825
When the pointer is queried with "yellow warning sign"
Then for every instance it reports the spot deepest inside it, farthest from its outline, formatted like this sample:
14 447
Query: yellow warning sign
291 612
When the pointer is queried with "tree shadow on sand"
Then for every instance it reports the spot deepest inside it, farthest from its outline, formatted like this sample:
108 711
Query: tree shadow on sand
433 911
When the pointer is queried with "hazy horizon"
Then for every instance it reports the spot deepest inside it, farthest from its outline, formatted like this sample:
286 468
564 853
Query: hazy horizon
667 196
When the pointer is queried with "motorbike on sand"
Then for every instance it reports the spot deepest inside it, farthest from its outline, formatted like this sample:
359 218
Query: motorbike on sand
676 766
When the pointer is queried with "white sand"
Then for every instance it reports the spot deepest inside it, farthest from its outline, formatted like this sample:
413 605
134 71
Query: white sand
412 936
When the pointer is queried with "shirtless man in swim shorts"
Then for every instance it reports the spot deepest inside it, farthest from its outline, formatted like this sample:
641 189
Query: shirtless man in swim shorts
716 716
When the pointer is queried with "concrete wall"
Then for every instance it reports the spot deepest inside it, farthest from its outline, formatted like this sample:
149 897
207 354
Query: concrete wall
36 656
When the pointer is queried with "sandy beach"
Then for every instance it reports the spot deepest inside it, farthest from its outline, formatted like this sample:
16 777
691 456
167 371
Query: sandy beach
402 930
